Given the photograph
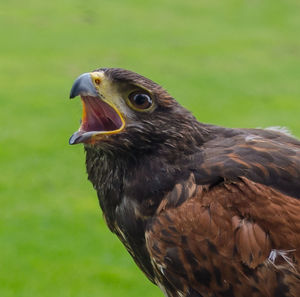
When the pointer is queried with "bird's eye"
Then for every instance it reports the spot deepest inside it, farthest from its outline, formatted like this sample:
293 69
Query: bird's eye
140 101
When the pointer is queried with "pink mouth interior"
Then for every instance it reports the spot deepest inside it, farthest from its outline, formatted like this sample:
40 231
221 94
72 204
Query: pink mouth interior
99 116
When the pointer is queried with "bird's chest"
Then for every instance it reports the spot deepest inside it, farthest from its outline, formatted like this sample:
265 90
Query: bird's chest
126 221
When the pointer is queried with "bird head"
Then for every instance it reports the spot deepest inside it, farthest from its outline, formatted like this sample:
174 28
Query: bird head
124 107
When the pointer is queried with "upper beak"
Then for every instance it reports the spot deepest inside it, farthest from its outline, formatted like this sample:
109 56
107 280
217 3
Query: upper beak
83 85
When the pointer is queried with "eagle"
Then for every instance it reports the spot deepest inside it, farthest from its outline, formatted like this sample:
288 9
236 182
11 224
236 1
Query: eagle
204 211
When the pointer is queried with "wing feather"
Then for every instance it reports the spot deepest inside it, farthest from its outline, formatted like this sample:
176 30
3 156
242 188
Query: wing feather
221 238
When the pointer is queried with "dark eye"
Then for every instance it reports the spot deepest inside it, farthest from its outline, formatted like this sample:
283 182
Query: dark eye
140 100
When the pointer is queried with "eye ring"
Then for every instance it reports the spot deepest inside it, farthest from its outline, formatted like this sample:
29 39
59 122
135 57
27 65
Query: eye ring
97 81
140 101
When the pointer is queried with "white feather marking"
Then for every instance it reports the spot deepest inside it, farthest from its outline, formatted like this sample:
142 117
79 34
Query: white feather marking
161 269
279 129
252 137
120 232
283 254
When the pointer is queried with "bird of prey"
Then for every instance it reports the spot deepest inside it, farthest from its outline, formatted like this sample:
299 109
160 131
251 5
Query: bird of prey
203 210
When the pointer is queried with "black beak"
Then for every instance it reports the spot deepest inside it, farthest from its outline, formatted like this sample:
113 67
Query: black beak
84 86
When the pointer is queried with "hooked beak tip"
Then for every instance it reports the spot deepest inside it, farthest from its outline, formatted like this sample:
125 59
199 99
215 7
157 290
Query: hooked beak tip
77 137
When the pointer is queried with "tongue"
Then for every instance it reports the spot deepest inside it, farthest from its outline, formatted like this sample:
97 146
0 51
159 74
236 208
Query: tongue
99 116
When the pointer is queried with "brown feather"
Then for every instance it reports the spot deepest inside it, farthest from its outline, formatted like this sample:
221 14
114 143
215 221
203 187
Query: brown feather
223 238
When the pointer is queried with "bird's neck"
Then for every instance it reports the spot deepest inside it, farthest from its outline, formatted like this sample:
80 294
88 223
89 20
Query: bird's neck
129 183
134 182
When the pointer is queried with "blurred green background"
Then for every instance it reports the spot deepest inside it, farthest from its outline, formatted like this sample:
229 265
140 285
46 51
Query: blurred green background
233 63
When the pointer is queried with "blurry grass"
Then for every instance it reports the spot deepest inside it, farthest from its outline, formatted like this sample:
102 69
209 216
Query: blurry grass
234 63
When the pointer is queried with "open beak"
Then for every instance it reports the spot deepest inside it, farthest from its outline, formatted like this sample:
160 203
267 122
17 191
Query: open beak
99 117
